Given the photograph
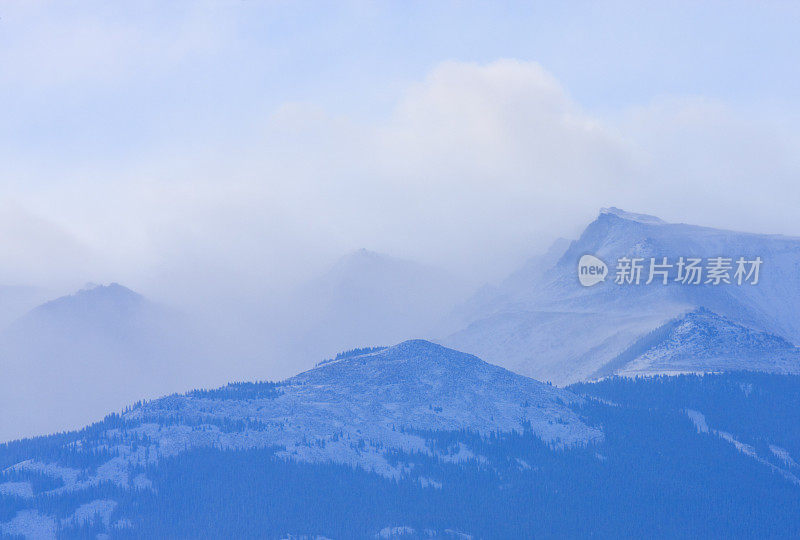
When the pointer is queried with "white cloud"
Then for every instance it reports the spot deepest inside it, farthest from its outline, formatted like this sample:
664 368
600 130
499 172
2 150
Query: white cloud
477 165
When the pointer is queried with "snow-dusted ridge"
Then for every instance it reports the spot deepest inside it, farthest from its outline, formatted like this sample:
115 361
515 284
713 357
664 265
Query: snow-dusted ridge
352 411
549 327
702 341
631 216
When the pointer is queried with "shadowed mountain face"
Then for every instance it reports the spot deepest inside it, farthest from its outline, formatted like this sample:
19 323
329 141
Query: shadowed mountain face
555 329
96 350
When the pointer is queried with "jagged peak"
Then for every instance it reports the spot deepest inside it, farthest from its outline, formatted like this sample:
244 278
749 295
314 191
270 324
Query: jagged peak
631 216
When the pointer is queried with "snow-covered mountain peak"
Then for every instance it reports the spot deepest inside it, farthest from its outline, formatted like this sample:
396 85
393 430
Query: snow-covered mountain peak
420 372
405 351
550 327
701 341
421 350
631 216
415 366
359 410
382 397
412 350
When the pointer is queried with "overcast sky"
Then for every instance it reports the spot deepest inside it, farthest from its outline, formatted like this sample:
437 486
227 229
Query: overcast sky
237 147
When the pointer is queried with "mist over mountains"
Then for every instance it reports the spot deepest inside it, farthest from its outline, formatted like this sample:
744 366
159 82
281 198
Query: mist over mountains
107 346
418 439
348 275
552 328
16 301
369 298
102 348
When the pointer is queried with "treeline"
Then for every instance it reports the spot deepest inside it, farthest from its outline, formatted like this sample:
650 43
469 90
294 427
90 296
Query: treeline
761 409
240 390
652 475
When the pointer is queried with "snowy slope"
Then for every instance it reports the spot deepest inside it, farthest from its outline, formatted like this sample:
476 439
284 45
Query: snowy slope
506 294
704 341
555 329
212 453
354 411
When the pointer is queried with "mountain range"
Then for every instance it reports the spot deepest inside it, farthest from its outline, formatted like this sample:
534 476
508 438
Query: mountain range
551 328
675 410
420 441
104 347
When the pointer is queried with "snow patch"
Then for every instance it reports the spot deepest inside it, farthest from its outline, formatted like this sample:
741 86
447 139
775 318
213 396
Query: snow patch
17 489
699 420
702 427
86 513
429 482
30 524
783 455
395 532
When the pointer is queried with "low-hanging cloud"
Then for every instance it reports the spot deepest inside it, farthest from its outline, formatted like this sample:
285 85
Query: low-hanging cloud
476 166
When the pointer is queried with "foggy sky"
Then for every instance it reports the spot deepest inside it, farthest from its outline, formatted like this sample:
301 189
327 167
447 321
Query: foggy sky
228 151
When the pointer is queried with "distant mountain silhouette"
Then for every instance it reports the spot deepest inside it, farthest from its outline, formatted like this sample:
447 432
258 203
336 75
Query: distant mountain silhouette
97 349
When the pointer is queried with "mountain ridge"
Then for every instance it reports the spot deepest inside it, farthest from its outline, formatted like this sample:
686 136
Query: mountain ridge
702 341
371 397
555 329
